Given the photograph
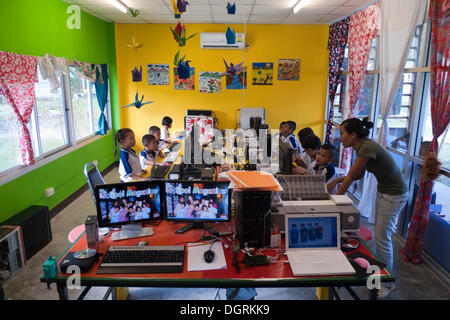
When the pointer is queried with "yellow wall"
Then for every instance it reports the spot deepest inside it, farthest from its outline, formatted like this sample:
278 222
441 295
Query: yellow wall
302 101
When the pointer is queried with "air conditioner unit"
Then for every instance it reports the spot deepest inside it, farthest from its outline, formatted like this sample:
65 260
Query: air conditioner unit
212 40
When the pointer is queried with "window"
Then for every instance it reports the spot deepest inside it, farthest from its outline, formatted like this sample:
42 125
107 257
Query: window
9 137
86 110
51 118
60 119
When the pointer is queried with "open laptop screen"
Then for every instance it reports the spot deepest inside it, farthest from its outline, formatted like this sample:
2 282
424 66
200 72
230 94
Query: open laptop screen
312 232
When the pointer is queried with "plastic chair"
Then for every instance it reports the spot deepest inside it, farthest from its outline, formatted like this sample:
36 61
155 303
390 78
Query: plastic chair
93 177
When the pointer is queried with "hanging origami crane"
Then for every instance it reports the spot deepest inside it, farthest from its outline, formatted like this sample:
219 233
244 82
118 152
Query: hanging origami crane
181 5
137 103
184 71
134 13
231 36
179 34
232 69
136 46
231 8
136 74
175 9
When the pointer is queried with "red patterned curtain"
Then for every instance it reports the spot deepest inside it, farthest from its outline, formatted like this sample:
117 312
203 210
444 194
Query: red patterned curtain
18 73
337 41
440 117
363 28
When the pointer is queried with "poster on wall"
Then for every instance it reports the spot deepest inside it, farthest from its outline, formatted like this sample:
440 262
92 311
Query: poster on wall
289 69
262 74
237 80
210 82
184 84
158 74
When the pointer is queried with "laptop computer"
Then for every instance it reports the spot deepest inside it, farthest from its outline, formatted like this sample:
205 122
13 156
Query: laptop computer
313 245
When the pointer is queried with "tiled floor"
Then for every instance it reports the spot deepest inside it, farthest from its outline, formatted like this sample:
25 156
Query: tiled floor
413 281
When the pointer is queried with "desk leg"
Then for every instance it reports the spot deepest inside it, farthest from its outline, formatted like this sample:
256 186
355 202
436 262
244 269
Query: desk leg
62 291
373 294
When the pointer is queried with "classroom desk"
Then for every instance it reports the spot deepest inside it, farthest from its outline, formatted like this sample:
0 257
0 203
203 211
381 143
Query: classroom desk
273 275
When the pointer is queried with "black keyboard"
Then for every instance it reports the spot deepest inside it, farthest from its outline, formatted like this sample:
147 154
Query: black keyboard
143 259
159 171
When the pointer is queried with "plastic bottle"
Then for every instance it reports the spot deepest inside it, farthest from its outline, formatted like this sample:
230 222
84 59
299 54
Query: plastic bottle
319 231
311 232
294 235
303 233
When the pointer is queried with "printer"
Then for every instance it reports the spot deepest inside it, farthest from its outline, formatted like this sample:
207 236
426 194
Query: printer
308 194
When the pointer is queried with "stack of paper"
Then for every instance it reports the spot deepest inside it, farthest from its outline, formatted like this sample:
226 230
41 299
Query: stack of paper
254 180
196 260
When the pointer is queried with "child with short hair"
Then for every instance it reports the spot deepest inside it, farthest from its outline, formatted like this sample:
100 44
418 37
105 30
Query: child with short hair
148 155
166 124
129 166
322 165
156 131
303 133
289 137
311 145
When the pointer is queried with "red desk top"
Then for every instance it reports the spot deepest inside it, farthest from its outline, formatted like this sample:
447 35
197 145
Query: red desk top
274 274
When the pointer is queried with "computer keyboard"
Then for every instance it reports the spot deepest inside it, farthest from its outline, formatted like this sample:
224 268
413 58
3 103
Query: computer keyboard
173 145
143 259
159 171
318 256
323 196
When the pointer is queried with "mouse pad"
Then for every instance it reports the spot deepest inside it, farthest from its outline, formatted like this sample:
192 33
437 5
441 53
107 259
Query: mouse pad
361 272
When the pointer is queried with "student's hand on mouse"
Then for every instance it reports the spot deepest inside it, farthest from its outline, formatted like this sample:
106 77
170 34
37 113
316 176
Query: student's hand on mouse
332 185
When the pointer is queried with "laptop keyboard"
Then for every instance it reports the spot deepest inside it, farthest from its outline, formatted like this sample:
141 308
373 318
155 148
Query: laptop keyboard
318 257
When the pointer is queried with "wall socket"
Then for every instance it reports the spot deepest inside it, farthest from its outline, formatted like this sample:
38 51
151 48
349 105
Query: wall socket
49 192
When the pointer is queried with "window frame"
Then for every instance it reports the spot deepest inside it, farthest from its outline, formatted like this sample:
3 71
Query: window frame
51 155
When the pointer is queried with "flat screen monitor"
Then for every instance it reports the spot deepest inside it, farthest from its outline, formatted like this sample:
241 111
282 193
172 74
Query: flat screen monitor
285 157
127 203
197 202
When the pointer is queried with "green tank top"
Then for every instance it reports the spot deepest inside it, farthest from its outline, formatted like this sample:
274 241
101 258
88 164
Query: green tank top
382 165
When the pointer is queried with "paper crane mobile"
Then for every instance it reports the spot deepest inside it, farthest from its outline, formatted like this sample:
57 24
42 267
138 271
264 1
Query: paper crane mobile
137 103
181 5
231 8
179 34
232 69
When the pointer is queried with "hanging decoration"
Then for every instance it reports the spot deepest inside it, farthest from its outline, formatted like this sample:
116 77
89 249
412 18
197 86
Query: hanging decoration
137 103
176 12
231 36
137 74
179 34
231 8
181 5
184 69
134 45
232 69
134 13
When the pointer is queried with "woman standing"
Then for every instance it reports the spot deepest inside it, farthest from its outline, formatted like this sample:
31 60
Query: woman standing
392 191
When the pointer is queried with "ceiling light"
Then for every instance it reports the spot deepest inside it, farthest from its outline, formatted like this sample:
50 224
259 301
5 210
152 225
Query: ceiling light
119 5
300 5
292 3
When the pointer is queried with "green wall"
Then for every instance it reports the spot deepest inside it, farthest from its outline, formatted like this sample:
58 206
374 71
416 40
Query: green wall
35 28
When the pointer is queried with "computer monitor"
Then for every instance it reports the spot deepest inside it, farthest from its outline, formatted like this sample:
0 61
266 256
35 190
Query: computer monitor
285 157
129 203
197 202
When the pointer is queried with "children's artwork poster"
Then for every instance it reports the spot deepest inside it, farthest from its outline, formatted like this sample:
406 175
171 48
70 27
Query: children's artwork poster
289 69
262 74
238 80
210 82
205 125
158 74
184 84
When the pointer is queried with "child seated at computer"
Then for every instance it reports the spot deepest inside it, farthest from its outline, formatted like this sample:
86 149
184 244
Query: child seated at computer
289 137
166 125
303 133
323 164
156 132
148 155
129 166
311 145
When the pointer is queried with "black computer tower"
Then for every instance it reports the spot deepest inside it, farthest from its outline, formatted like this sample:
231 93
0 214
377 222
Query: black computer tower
252 217
36 229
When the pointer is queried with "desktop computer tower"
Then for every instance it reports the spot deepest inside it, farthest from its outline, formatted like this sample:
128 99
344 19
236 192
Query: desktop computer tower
252 217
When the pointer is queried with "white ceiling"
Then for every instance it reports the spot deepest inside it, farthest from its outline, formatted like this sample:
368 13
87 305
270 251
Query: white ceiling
214 11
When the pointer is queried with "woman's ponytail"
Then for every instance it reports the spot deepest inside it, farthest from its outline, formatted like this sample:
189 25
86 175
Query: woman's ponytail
361 128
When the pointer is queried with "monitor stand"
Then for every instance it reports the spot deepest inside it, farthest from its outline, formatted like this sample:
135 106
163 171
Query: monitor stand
130 231
199 225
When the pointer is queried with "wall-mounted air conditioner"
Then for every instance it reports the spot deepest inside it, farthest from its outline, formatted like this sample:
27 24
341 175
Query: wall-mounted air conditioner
212 40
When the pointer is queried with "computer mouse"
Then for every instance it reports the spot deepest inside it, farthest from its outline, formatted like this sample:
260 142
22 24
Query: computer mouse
363 263
209 256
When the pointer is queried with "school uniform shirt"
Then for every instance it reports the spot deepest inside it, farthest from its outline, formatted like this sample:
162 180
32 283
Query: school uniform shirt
328 171
129 165
306 159
165 133
146 155
292 140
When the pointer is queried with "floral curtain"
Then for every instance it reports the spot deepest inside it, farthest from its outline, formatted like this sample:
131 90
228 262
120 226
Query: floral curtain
362 30
18 73
336 45
440 117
